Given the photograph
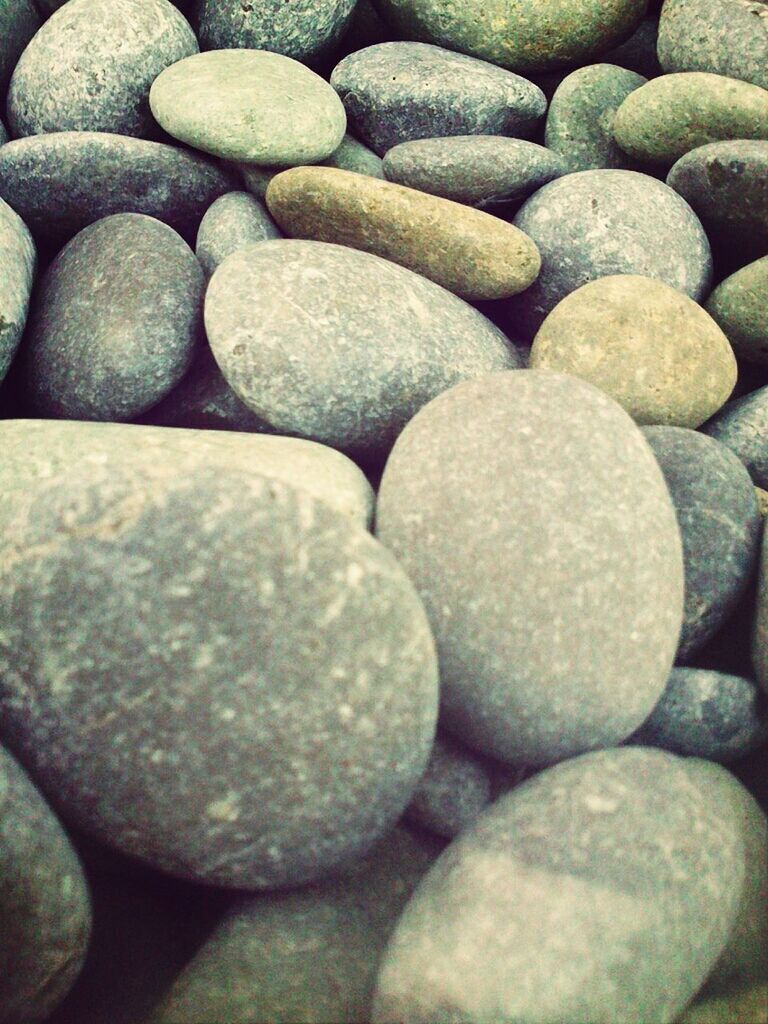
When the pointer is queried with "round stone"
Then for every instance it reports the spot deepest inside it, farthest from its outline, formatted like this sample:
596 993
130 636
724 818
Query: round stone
114 324
738 305
648 346
352 155
485 171
400 91
233 222
619 863
308 336
742 426
249 105
453 792
597 223
556 607
469 252
91 65
18 261
18 23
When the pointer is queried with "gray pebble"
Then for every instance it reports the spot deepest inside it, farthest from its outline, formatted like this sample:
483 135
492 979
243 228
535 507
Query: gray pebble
231 223
742 426
396 92
454 790
18 261
760 631
19 21
638 53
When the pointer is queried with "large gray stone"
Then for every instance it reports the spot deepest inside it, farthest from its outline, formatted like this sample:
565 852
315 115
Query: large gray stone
233 222
18 261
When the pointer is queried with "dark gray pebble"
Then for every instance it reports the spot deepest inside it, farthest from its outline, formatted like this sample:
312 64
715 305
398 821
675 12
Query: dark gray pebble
18 261
742 426
231 223
454 790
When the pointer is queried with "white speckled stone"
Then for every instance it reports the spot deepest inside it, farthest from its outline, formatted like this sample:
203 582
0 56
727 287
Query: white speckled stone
18 261
233 222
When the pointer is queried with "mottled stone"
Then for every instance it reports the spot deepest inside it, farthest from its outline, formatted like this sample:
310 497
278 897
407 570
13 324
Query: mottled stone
638 53
480 170
352 155
581 114
454 790
18 261
234 221
471 253
308 336
742 426
251 106
91 65
648 346
397 92
760 634
604 888
597 223
556 606
19 21
739 306
114 324
44 907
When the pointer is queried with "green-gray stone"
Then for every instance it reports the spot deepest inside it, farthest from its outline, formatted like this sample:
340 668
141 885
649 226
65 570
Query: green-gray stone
18 261
739 305
234 221
453 791
18 23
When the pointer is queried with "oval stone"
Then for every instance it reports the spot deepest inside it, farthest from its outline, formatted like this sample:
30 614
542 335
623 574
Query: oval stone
249 105
309 338
91 65
556 607
400 91
469 252
233 222
742 426
351 155
739 306
453 791
18 261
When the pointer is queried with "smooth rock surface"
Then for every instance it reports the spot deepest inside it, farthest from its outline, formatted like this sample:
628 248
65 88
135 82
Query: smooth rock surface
742 426
516 477
454 790
351 155
760 634
19 21
739 306
233 222
397 92
18 261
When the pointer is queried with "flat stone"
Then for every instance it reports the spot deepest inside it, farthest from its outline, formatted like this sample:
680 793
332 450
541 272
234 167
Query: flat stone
308 336
44 904
486 171
91 65
514 478
19 21
616 864
454 790
250 106
115 322
471 253
581 115
597 223
638 53
742 426
648 346
18 261
233 222
400 91
738 305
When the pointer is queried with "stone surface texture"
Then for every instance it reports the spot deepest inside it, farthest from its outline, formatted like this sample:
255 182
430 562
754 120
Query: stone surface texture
742 426
739 306
454 790
18 262
233 222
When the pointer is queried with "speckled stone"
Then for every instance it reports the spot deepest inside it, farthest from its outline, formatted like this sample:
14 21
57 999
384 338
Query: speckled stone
352 155
18 261
114 324
471 253
91 65
397 92
64 181
454 790
19 21
480 170
638 53
648 346
726 37
556 605
234 221
308 336
524 37
250 106
251 707
739 306
760 635
596 223
581 114
604 888
742 426
44 906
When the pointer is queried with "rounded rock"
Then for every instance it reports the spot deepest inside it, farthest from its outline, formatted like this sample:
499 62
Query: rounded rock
233 222
739 306
742 426
351 155
19 21
453 792
18 262
760 633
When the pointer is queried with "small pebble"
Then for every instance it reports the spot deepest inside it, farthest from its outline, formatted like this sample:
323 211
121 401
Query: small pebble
742 426
351 155
233 222
454 790
18 261
739 306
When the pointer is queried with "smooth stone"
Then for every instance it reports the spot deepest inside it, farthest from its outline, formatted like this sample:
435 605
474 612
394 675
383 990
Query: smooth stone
91 65
454 790
308 336
400 91
471 253
44 905
250 106
18 262
718 36
760 631
3 134
115 322
479 170
580 117
19 21
233 222
638 53
673 114
256 700
604 888
762 501
742 426
526 37
514 477
648 346
597 223
720 524
738 305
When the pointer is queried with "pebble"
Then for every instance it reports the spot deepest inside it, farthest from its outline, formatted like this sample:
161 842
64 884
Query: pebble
18 261
454 790
44 906
3 134
115 322
762 501
308 337
400 91
534 521
720 524
738 305
742 426
91 65
233 222
673 114
471 253
486 171
603 222
760 634
581 115
250 106
19 21
616 864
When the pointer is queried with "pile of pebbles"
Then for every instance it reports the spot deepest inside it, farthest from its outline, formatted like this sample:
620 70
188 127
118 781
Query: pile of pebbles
384 432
